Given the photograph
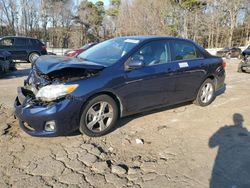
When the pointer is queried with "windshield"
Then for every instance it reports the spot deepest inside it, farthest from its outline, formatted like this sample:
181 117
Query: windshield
109 52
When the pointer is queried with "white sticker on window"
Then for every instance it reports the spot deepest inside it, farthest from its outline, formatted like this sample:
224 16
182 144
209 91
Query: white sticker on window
183 65
132 41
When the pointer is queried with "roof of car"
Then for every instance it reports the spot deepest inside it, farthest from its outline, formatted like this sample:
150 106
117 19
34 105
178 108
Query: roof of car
142 38
16 37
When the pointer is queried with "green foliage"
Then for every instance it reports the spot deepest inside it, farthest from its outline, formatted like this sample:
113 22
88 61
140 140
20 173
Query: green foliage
115 3
99 4
100 8
113 11
190 4
90 13
90 16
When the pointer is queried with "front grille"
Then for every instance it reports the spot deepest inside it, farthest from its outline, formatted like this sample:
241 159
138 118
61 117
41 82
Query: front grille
37 79
39 73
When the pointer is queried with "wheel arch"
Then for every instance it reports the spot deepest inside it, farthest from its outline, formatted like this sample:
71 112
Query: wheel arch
113 96
34 51
210 76
213 78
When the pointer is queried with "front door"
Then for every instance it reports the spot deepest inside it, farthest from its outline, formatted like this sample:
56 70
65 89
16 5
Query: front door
153 84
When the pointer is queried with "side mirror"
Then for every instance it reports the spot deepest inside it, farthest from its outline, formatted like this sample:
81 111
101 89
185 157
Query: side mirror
134 64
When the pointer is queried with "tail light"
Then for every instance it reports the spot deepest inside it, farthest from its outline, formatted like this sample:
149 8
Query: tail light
44 47
71 53
224 64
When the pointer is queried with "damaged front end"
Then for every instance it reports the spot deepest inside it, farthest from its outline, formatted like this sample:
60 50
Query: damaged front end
42 102
244 65
55 76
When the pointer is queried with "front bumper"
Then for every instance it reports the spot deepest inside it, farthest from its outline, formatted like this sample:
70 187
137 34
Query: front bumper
244 65
33 117
245 68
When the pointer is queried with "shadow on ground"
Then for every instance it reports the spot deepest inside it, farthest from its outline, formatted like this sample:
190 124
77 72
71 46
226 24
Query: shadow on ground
15 74
232 164
21 69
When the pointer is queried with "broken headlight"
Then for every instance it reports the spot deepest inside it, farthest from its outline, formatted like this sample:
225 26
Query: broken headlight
53 92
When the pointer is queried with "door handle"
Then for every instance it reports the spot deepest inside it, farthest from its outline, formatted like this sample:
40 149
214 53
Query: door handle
202 64
171 70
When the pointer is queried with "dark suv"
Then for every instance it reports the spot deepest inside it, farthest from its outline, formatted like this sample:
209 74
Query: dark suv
23 48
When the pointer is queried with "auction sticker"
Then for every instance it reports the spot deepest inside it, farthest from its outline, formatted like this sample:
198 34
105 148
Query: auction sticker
132 41
183 65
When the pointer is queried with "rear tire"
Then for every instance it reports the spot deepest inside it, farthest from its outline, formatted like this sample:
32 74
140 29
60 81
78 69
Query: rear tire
240 70
206 93
32 56
240 67
99 116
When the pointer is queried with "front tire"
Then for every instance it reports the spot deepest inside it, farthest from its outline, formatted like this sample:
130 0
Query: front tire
206 93
99 116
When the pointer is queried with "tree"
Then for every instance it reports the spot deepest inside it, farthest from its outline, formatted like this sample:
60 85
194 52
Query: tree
211 23
113 11
9 10
90 17
232 8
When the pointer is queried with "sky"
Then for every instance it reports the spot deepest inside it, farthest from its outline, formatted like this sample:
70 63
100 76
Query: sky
106 2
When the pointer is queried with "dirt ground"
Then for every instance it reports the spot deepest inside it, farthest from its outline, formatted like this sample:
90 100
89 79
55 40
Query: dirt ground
185 146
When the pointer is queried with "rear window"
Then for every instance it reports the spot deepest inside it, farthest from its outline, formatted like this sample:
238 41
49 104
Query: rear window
35 42
184 50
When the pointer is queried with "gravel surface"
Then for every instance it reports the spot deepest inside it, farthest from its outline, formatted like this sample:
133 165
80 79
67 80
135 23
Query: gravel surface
184 146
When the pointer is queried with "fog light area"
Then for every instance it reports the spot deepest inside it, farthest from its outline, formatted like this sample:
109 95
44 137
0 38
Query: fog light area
50 126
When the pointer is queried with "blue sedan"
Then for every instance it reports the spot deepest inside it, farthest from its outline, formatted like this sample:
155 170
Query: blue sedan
116 78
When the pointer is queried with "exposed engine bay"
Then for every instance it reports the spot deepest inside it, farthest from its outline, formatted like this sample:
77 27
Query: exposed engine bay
38 80
54 73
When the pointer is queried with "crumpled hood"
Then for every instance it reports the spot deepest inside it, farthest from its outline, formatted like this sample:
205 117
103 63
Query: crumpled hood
47 64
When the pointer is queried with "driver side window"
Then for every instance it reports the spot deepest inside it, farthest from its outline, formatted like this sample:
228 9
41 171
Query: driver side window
153 53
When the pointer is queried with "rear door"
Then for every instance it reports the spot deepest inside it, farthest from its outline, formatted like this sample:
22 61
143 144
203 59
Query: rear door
20 49
190 69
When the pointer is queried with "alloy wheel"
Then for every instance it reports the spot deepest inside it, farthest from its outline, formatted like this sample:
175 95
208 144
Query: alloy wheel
33 57
207 93
99 116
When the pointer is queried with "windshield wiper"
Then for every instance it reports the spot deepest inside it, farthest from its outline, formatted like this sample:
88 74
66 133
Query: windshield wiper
85 59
